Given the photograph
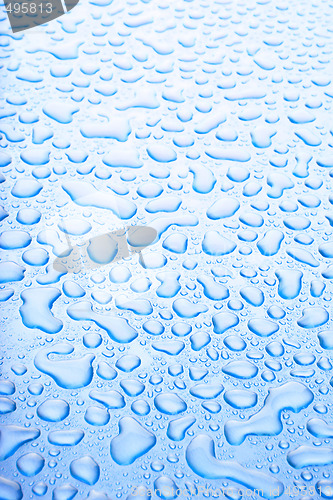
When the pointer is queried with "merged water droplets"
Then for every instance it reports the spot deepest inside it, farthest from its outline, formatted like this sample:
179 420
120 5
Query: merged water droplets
194 350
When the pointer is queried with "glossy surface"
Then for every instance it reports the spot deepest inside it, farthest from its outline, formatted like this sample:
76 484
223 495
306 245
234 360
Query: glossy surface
204 360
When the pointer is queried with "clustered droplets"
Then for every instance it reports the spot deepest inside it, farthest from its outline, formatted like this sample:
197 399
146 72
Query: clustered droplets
195 359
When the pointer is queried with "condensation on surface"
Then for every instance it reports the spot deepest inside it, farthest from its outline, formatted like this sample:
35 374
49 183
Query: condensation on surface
196 355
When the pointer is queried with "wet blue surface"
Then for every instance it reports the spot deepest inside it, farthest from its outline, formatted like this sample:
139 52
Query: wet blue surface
200 366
